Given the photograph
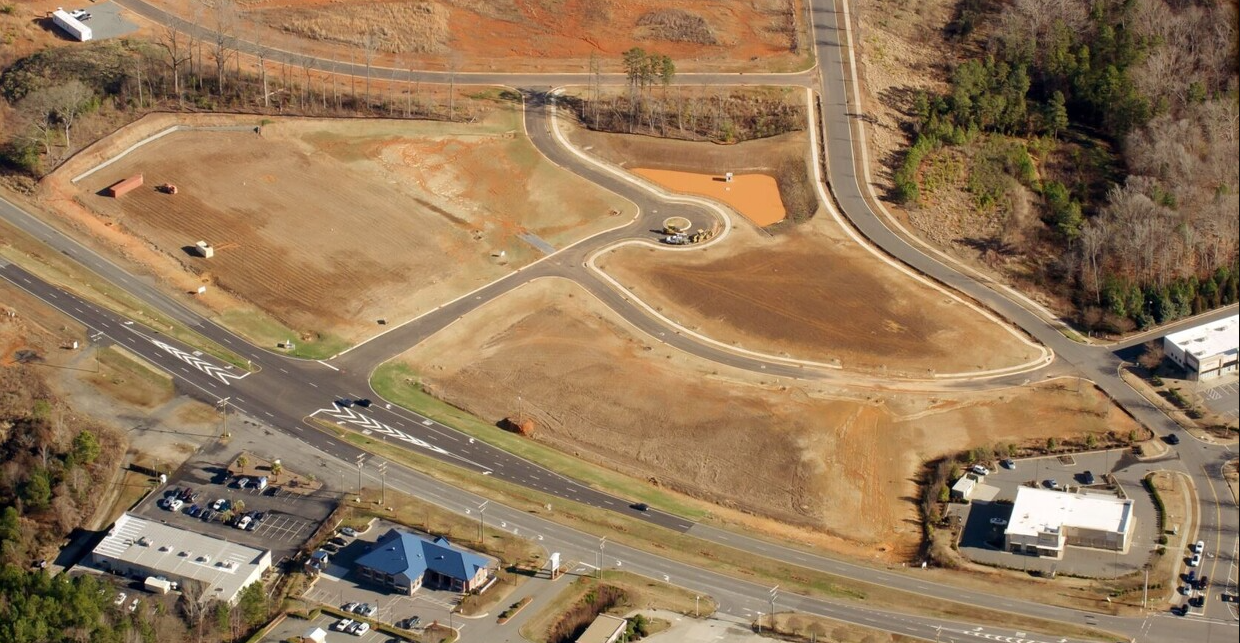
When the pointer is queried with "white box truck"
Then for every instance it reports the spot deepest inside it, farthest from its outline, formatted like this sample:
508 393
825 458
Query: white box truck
158 585
71 25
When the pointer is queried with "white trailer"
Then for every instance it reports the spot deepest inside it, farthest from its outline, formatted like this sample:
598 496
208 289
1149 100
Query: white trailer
71 25
157 585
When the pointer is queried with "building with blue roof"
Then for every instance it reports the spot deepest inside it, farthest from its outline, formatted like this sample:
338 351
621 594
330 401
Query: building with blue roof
403 562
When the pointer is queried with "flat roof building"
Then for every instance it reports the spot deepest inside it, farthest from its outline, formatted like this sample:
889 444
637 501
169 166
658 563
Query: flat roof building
605 629
403 562
1206 351
137 547
1043 522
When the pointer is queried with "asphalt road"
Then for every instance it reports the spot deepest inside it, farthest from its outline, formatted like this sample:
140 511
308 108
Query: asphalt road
282 391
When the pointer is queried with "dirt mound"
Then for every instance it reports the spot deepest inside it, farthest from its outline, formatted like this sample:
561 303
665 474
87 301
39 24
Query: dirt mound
675 25
413 27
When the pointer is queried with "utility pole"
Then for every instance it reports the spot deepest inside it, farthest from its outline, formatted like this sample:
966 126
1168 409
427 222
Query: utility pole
361 458
598 571
482 519
383 481
696 602
1145 591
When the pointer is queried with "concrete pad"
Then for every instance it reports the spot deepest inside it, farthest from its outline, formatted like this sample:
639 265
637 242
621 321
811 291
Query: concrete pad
710 630
985 492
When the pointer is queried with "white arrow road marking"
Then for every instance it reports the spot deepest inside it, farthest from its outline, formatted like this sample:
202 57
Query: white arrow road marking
343 414
201 364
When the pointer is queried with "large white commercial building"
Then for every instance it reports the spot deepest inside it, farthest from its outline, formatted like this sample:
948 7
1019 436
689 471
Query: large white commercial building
1206 351
139 548
1044 522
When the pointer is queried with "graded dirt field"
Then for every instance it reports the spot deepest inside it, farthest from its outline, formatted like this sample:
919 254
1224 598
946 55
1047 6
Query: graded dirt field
330 225
755 196
521 35
842 462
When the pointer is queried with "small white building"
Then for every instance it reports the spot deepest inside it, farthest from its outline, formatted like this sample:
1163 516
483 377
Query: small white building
1206 351
314 635
71 25
1044 522
604 629
137 547
963 489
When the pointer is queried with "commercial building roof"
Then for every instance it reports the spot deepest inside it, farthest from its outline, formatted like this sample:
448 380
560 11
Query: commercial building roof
1042 510
605 629
1207 340
223 567
401 552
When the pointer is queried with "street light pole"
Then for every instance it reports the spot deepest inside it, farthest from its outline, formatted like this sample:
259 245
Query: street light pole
223 404
598 571
482 520
773 595
383 482
361 458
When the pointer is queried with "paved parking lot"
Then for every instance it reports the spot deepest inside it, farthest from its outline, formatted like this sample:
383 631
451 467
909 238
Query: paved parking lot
291 518
290 628
339 585
1222 395
982 541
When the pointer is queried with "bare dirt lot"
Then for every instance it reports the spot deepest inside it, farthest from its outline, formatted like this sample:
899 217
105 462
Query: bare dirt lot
842 462
755 196
329 225
526 35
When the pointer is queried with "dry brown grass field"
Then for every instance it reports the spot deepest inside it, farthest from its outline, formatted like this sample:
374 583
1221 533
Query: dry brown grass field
839 461
329 225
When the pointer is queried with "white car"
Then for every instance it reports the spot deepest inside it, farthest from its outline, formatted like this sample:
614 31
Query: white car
77 13
343 624
1200 547
980 470
120 599
1195 561
175 505
359 629
244 522
997 521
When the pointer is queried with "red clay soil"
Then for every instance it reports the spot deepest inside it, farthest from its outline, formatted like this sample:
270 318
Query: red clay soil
755 196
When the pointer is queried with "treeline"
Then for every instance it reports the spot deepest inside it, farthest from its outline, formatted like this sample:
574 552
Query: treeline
62 90
54 464
1158 80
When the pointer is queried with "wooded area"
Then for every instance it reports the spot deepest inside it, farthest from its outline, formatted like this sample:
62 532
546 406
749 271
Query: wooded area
1131 239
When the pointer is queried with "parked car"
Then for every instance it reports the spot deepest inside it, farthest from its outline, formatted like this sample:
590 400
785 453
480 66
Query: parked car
134 605
349 531
1172 439
360 607
220 505
1195 561
360 629
186 494
343 624
1199 547
980 470
409 623
175 504
1202 583
193 511
368 610
260 516
207 515
997 521
120 599
1050 483
1197 601
242 483
1009 463
330 548
1087 477
338 541
349 607
244 522
77 13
